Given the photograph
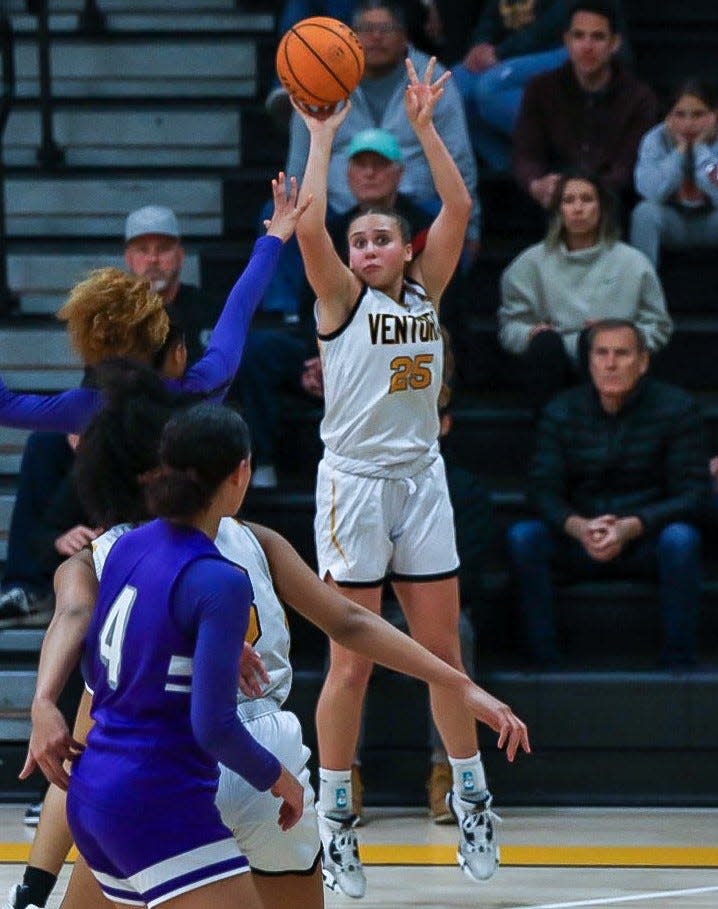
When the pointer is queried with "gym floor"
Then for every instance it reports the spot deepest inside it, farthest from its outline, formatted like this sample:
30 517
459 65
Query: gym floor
551 859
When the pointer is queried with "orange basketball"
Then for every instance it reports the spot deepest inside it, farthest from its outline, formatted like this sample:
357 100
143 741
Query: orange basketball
320 61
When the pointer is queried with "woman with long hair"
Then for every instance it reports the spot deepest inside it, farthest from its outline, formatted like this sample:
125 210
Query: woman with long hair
677 174
383 509
580 273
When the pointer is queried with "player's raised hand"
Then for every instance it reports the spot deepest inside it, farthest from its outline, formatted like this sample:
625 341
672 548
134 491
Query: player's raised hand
287 211
322 119
513 734
422 95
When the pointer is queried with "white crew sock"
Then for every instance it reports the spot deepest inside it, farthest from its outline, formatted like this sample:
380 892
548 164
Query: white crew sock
469 777
335 792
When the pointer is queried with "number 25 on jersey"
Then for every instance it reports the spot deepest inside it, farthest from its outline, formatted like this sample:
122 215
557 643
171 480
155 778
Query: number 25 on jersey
410 372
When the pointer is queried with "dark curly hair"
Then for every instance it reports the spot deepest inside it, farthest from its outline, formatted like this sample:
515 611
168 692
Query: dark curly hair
121 442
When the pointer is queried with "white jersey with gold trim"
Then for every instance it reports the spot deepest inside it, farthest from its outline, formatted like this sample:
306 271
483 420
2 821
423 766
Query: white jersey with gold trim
267 631
382 377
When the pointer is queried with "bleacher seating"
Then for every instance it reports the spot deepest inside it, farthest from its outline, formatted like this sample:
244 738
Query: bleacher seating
184 126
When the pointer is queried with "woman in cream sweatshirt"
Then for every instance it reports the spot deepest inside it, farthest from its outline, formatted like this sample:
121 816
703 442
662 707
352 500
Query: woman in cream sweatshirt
553 291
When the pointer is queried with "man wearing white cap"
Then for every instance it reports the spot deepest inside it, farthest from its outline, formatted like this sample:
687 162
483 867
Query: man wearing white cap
153 250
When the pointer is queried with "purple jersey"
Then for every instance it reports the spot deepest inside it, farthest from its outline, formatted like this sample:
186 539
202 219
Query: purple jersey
161 658
72 410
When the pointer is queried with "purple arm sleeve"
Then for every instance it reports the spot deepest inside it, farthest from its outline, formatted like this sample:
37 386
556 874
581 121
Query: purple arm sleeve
213 597
69 411
213 374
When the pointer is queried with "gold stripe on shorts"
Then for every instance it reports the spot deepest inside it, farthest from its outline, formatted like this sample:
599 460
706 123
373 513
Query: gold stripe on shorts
333 525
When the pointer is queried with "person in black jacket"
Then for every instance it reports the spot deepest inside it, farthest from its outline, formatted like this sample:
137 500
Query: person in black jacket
619 482
153 250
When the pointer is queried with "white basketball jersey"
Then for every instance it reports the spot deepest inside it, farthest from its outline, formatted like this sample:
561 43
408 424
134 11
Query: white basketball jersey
382 377
267 631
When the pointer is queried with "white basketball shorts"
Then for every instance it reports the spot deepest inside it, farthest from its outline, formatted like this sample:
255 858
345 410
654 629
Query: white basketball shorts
252 815
368 529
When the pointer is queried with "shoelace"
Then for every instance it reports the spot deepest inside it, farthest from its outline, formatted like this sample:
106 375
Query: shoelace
474 819
344 845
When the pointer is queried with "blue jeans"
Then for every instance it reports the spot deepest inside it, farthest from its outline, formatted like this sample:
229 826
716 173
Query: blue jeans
295 10
273 359
672 557
46 461
654 224
493 98
288 285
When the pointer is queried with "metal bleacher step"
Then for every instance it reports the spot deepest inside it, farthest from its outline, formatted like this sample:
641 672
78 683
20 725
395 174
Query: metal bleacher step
122 64
191 136
144 16
43 276
21 642
93 204
17 687
598 737
38 359
12 443
108 7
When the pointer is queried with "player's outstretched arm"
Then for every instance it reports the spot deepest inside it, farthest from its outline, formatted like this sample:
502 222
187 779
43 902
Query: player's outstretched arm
333 283
214 372
50 741
445 239
361 630
66 411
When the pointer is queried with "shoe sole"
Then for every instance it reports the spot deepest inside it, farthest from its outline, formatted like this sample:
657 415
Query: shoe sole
331 883
464 865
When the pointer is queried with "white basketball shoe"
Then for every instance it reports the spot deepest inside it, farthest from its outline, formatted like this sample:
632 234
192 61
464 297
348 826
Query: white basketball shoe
341 866
478 852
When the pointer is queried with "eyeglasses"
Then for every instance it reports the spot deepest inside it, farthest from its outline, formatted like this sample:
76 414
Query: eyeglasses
381 28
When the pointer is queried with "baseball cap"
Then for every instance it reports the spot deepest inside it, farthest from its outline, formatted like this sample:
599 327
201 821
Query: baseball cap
152 219
375 140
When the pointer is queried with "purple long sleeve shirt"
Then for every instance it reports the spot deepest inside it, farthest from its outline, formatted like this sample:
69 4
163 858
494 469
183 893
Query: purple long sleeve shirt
71 411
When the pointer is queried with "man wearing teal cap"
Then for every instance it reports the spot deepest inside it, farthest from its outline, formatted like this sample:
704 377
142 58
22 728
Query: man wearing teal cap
374 171
380 141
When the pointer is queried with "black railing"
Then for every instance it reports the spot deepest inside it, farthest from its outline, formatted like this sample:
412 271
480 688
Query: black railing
8 301
92 19
49 154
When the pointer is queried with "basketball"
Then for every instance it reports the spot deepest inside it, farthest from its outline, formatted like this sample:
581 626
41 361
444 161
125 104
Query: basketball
320 61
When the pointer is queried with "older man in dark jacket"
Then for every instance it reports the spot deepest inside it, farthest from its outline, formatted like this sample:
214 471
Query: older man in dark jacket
619 482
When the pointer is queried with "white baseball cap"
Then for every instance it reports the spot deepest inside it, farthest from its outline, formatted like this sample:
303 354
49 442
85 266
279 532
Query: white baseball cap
152 219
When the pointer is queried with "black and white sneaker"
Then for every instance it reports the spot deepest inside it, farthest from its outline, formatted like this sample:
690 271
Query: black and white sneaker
32 815
15 900
478 852
19 608
341 866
